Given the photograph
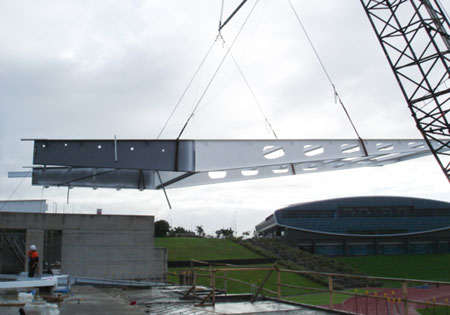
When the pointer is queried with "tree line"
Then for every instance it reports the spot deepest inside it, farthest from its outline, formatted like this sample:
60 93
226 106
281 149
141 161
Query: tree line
163 228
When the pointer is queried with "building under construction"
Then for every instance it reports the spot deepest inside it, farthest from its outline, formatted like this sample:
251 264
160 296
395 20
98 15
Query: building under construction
98 246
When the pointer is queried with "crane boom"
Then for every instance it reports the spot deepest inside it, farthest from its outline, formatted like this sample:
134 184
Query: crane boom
414 35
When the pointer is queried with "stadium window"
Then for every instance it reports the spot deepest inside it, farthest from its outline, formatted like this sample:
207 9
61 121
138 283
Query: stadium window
444 212
347 212
364 212
387 212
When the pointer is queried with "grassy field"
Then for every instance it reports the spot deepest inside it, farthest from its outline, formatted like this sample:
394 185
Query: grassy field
187 248
426 267
438 310
324 298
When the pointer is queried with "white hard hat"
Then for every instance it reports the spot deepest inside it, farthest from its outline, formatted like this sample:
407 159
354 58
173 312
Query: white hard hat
33 247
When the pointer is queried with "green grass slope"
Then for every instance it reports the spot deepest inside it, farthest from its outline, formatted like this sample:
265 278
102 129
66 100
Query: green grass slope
187 248
426 267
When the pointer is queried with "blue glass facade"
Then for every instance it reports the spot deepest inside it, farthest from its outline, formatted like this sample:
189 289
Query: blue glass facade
363 226
367 215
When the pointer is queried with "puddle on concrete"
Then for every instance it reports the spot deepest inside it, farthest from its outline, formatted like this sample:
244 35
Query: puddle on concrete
166 300
258 307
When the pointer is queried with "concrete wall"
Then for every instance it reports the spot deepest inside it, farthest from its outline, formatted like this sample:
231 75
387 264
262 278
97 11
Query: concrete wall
111 254
101 246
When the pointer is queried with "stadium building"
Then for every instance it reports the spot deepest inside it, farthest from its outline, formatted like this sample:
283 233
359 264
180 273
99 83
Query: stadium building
363 226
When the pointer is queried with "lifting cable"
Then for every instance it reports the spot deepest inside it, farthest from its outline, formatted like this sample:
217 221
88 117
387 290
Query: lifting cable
187 88
268 124
337 98
251 91
217 70
221 15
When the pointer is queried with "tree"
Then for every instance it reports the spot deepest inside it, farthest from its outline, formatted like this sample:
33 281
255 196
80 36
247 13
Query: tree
227 232
224 233
200 231
180 229
162 227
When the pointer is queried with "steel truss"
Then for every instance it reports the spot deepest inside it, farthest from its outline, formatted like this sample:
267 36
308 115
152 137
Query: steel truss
158 164
415 37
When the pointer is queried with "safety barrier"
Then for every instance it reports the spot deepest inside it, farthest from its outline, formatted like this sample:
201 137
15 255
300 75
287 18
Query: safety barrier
379 301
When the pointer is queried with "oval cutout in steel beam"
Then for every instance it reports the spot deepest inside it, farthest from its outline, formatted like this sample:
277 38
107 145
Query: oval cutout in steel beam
273 152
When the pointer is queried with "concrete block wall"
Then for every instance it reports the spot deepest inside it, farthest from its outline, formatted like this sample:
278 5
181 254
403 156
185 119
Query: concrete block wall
100 246
111 254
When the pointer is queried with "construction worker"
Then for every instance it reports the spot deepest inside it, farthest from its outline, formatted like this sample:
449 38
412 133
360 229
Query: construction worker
33 260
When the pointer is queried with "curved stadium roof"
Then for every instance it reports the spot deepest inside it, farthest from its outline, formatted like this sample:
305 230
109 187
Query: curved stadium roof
363 216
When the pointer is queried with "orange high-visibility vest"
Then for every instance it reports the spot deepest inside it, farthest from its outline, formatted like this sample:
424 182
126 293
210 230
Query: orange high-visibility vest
33 254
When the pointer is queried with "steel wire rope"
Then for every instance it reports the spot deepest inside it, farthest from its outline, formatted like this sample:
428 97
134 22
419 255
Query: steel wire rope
221 14
187 88
319 59
211 99
15 190
252 92
217 70
197 89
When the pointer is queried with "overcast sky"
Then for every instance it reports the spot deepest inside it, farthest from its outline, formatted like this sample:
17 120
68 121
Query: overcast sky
95 69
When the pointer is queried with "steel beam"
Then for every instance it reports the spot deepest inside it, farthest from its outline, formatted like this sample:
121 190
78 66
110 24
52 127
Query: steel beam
134 163
167 155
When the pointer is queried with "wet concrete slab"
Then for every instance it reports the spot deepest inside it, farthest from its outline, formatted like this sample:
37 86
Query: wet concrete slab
260 307
166 300
90 300
85 300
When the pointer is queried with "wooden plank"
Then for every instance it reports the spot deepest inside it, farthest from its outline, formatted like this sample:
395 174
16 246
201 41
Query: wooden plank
12 304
